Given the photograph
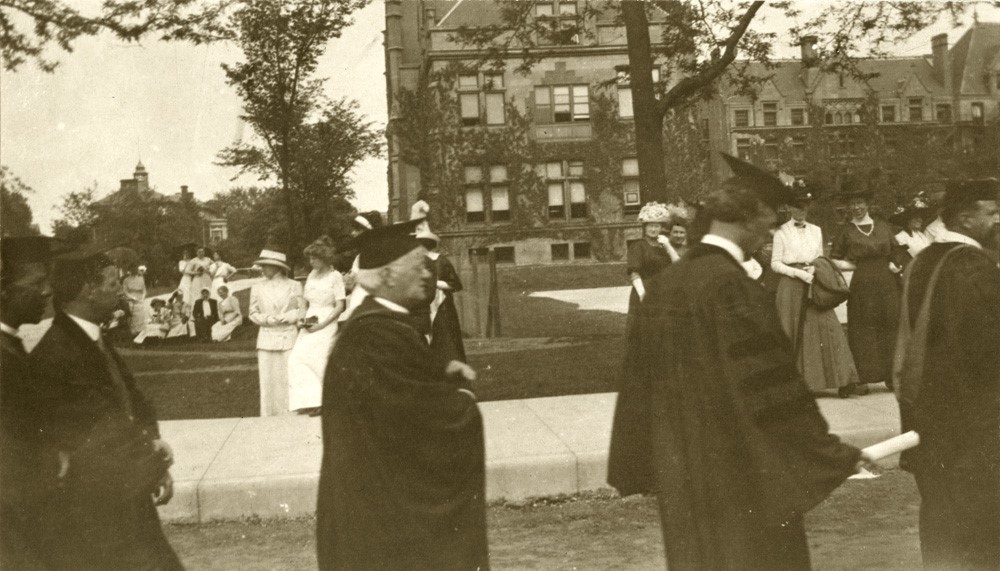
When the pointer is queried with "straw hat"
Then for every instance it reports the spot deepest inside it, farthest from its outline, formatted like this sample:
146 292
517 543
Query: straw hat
273 258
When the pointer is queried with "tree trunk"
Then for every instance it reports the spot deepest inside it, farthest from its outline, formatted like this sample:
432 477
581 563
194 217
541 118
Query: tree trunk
648 119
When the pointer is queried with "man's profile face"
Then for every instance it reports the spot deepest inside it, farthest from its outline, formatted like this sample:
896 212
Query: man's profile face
678 235
411 279
759 228
204 294
104 295
983 221
28 294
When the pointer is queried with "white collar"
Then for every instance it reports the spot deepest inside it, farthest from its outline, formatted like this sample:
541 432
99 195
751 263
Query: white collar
949 236
434 255
9 330
728 245
866 220
92 330
391 306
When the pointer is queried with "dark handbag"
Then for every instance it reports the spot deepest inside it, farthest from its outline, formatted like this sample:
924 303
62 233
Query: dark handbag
829 288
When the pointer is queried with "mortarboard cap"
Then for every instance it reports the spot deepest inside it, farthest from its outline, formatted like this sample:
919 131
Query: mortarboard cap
969 191
386 244
83 261
769 188
28 249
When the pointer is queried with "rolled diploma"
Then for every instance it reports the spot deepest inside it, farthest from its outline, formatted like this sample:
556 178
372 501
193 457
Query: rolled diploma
894 445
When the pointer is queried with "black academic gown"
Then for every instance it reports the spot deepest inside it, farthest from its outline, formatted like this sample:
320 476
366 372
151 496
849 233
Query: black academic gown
957 409
402 483
104 518
28 469
717 422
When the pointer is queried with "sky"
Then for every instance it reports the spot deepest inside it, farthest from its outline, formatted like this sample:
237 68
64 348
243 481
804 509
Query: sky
110 104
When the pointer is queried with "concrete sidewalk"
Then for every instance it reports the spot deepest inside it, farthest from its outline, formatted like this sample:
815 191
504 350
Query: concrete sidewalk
269 467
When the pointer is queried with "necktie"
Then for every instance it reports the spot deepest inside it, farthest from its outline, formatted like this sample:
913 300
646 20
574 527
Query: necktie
800 224
117 382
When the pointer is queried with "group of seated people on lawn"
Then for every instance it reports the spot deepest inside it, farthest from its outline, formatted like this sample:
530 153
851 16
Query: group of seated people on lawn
207 319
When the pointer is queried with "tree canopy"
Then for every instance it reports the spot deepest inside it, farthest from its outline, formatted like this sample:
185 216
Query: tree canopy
16 218
29 29
304 141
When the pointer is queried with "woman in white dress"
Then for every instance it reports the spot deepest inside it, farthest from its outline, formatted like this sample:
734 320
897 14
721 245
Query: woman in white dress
179 321
230 316
185 286
324 295
134 286
276 306
221 272
199 269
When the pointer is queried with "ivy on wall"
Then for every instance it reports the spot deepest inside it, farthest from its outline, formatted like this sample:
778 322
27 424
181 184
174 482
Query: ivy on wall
431 136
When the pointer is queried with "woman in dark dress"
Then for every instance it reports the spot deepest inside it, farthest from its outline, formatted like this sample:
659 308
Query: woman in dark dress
865 247
649 255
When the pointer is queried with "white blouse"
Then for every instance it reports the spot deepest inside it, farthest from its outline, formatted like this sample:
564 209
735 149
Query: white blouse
794 245
915 243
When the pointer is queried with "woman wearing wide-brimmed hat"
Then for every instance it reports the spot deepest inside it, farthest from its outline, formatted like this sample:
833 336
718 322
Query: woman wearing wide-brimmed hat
649 255
276 305
865 247
912 218
823 355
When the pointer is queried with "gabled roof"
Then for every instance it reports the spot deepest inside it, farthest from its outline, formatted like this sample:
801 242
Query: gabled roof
972 55
889 75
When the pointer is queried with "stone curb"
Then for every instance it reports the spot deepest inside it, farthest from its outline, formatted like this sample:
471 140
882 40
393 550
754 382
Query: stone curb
269 467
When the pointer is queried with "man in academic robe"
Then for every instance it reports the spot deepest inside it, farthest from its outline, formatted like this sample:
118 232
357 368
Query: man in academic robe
30 471
206 314
105 517
948 382
402 483
715 419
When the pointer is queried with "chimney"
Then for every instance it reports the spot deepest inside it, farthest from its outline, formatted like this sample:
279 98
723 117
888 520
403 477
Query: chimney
808 44
184 191
941 62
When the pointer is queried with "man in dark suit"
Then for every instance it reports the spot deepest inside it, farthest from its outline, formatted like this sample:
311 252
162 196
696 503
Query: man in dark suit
105 518
206 314
402 483
716 419
30 472
948 373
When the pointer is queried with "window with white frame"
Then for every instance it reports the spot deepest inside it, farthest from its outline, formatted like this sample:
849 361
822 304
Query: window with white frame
475 96
562 19
475 209
468 98
741 117
630 185
562 103
798 116
888 113
770 109
916 108
623 82
487 186
567 192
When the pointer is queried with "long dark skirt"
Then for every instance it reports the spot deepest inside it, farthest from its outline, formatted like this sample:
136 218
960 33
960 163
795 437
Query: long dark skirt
824 357
872 318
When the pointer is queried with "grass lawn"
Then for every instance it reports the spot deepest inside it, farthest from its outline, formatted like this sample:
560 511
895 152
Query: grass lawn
866 524
563 351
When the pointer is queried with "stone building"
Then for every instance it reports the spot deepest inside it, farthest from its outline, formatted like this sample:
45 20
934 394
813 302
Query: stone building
952 94
539 167
213 228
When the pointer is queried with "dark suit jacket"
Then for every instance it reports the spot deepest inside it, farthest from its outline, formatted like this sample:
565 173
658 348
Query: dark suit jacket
199 314
105 516
109 438
28 469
